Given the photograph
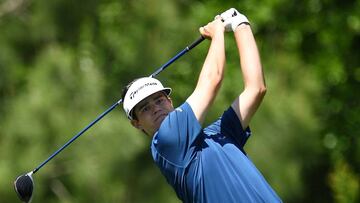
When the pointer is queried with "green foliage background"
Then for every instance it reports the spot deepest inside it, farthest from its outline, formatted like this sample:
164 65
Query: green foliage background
64 62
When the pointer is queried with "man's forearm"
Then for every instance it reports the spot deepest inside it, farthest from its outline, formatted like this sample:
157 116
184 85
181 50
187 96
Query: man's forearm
213 68
249 58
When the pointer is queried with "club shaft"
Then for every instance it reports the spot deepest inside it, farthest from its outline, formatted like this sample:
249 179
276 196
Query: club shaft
188 48
77 135
163 67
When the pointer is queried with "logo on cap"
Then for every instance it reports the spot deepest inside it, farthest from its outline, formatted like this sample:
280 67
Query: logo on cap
132 94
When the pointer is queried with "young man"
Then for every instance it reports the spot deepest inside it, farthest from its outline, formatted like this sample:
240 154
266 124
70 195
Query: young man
206 164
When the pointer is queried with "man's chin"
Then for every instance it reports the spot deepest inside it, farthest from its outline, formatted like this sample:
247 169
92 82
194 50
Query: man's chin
160 119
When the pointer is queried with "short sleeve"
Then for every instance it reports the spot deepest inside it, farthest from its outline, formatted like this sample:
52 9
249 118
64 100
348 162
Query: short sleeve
231 126
176 136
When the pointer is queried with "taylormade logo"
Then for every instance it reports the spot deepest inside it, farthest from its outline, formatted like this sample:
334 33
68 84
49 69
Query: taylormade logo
133 94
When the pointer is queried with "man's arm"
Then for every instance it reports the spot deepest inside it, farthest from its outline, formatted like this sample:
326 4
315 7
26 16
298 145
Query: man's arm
211 73
254 84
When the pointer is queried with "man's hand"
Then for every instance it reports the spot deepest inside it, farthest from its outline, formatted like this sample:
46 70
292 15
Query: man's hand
212 28
232 19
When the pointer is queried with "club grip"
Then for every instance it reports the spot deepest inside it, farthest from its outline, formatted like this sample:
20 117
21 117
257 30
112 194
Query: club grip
195 43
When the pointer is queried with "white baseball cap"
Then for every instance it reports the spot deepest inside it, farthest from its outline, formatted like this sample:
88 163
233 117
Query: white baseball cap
139 90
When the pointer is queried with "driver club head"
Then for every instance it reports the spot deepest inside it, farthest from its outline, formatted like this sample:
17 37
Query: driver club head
24 186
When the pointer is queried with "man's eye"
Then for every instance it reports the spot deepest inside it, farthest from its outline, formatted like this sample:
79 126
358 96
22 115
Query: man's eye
160 100
145 109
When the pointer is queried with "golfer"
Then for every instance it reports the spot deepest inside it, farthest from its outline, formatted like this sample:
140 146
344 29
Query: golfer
206 164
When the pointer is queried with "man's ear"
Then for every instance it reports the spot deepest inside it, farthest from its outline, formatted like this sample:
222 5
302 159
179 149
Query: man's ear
136 124
169 98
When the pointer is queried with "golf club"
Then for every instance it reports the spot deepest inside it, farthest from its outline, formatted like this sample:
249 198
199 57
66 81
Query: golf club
24 184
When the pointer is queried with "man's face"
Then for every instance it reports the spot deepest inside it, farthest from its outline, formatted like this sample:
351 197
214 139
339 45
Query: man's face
151 111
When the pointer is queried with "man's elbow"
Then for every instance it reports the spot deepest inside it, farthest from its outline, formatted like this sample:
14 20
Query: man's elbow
258 92
262 90
215 78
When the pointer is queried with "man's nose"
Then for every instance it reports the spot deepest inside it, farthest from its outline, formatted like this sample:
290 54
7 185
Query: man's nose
156 108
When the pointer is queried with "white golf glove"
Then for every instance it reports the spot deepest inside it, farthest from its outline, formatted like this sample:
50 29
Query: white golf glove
232 18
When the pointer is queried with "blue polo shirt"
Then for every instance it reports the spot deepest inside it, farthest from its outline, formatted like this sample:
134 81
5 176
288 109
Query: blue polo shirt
208 165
